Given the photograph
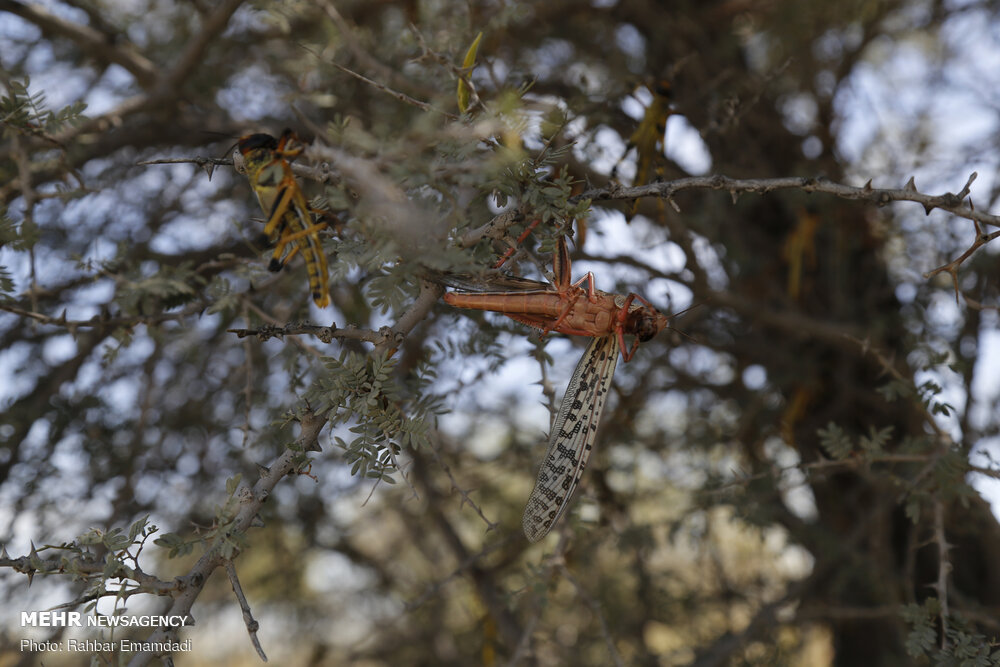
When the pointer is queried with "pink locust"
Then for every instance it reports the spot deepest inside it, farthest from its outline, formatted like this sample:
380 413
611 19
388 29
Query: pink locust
570 308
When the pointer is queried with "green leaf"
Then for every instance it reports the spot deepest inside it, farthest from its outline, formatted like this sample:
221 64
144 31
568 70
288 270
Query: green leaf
836 443
137 528
942 408
233 483
111 565
6 283
923 635
874 443
116 540
463 94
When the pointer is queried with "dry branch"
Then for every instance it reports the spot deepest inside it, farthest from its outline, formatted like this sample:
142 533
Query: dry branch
251 500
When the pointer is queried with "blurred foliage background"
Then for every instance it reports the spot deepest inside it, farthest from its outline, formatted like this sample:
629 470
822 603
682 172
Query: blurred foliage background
786 481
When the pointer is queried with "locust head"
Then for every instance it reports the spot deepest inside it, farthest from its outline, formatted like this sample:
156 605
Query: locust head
647 323
253 151
643 321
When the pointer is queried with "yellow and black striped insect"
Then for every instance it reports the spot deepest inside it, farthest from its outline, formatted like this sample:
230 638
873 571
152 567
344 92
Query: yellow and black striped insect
265 162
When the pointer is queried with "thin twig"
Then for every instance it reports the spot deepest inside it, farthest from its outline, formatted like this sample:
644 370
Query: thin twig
320 173
248 385
387 436
496 228
944 568
765 619
192 57
248 619
830 613
888 367
91 41
207 163
252 499
466 498
28 198
547 573
850 463
951 268
989 472
596 608
402 97
102 320
83 564
950 202
349 34
433 589
735 186
548 391
461 73
327 334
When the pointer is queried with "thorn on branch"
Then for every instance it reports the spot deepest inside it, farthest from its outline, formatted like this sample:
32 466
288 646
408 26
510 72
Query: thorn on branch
207 163
968 187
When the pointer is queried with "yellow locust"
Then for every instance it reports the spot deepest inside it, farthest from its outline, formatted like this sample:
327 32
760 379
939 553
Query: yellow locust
265 162
647 139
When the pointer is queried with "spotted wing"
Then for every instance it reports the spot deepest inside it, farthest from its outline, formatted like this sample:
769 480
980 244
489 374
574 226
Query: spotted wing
572 437
494 281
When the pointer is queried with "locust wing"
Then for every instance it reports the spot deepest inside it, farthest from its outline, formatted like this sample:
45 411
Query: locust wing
572 437
489 281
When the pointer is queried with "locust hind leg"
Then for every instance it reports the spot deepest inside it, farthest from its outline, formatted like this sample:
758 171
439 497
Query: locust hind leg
276 260
517 244
569 291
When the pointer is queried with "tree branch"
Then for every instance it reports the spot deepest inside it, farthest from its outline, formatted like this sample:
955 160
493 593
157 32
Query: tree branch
325 333
944 568
196 47
950 202
88 39
736 186
101 321
248 619
251 501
